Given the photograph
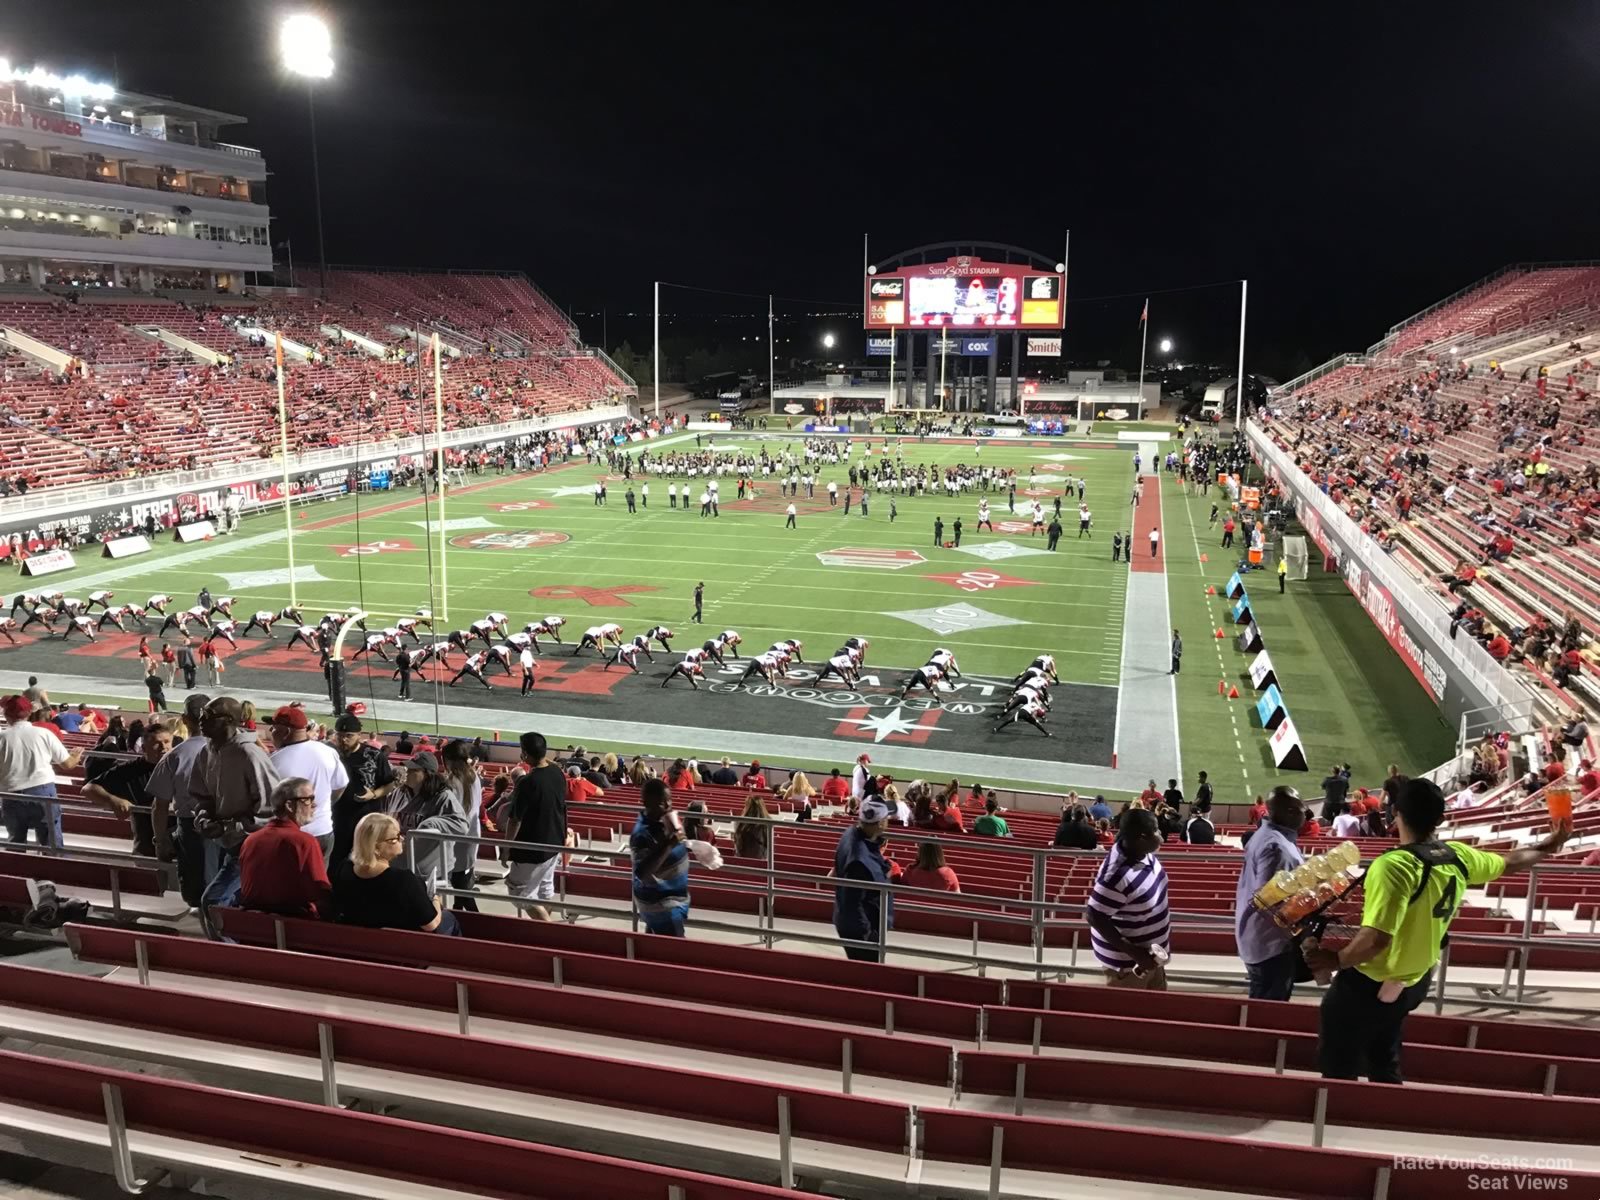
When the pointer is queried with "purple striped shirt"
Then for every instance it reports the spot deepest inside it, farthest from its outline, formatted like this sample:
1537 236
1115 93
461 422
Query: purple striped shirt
1134 896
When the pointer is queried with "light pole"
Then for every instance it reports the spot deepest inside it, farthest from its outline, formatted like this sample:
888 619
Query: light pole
307 49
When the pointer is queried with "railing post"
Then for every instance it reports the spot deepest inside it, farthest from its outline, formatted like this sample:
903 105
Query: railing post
1019 1089
883 925
785 1146
1438 991
116 893
121 1152
556 974
1280 1056
845 1054
330 1081
1038 1033
888 1016
1038 905
141 960
280 934
1319 1118
463 1014
996 1150
1526 949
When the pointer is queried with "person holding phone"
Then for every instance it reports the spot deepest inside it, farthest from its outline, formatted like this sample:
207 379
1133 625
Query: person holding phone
660 862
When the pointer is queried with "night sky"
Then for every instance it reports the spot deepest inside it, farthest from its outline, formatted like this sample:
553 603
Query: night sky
1355 162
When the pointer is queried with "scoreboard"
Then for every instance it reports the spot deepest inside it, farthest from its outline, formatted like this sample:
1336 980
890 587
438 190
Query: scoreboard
966 293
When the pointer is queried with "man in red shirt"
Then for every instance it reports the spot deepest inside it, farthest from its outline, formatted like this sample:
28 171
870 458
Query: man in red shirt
753 778
280 865
1499 647
1151 795
835 788
580 789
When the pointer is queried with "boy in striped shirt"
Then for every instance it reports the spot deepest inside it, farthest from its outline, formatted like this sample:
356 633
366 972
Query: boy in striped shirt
1127 907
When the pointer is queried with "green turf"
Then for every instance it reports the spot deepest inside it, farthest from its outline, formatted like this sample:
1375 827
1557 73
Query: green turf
761 579
1350 696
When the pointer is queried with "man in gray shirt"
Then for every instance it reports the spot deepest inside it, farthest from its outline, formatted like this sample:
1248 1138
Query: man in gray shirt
169 798
1177 653
1271 959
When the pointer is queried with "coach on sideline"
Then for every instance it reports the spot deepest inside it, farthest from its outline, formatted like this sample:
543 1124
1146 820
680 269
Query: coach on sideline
1412 894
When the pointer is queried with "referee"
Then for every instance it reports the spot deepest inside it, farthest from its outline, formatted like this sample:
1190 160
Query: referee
1412 893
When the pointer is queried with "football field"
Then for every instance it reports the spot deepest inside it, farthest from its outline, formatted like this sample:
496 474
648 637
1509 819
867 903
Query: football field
537 545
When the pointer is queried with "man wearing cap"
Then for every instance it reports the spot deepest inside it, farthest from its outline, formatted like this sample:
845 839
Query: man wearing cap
371 779
425 802
231 785
29 757
859 913
168 789
298 755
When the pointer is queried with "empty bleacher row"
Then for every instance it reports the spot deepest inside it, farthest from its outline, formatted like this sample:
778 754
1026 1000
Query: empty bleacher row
128 393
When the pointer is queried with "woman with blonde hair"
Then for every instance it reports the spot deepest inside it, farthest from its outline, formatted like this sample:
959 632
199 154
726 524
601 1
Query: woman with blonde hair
638 773
609 768
370 891
751 840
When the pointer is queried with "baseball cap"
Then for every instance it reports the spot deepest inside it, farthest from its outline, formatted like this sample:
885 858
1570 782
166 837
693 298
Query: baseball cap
873 811
423 760
347 723
864 758
290 717
17 708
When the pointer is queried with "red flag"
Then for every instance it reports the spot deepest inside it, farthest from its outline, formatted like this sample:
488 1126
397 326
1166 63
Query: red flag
1145 315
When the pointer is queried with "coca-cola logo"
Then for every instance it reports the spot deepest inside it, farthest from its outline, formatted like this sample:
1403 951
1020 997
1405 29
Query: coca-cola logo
888 289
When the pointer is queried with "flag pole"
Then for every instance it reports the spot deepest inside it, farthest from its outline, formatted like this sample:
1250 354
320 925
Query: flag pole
1144 342
655 370
772 370
1238 396
438 442
283 453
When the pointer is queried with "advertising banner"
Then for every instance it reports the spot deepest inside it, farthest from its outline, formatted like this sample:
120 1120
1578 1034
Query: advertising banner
48 562
127 547
194 531
1261 672
1044 347
1287 752
1270 708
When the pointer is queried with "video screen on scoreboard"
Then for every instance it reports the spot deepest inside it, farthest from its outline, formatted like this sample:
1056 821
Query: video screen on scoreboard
1012 297
962 301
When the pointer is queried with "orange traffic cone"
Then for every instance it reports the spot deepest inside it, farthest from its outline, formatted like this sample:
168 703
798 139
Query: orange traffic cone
1205 558
1233 693
1211 590
1220 635
1222 687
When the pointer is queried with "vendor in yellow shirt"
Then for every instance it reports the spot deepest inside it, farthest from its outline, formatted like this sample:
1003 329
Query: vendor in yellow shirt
1412 893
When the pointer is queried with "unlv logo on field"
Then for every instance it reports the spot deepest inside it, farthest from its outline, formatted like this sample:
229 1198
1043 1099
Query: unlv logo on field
869 556
510 539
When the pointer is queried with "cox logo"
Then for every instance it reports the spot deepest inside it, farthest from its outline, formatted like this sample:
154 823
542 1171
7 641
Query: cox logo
979 347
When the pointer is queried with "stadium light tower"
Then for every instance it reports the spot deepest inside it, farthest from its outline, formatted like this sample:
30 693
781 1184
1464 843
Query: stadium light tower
307 49
1165 345
827 341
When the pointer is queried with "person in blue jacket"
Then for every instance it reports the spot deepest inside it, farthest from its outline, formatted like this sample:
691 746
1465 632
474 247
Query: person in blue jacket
858 911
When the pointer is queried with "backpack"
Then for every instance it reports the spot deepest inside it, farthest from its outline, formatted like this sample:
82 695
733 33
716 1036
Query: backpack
1431 855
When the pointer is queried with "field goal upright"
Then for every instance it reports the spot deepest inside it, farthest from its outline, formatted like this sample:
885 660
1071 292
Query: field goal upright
438 568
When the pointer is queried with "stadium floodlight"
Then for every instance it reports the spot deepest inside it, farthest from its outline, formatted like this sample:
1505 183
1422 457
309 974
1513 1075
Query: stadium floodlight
1165 346
306 46
827 341
307 50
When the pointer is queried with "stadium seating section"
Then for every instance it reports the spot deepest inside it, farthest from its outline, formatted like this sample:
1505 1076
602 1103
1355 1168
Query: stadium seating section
594 1054
1478 421
134 399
